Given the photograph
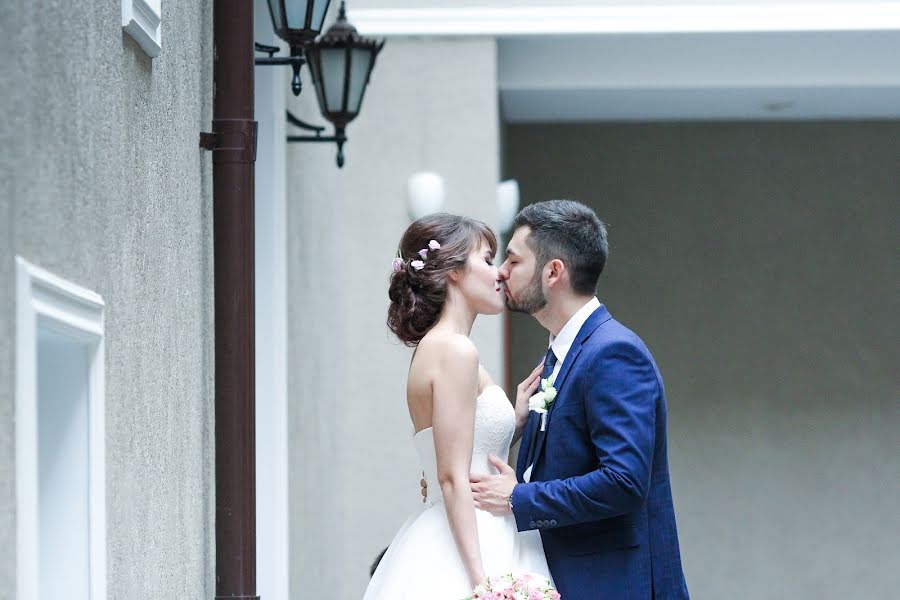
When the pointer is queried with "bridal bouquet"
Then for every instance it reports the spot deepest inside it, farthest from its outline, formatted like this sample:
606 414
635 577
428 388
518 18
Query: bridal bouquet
510 587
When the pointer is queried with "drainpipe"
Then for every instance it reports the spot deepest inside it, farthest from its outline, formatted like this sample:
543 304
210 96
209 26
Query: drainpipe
233 145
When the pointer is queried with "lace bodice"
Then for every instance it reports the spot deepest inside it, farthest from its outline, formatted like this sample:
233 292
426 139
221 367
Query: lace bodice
495 425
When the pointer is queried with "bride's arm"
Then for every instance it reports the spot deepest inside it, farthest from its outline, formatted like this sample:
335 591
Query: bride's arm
453 422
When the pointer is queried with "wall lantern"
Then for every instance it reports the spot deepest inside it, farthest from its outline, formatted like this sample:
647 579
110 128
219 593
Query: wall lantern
341 62
297 23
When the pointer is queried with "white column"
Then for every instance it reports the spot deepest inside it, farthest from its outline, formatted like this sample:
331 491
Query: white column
431 106
271 85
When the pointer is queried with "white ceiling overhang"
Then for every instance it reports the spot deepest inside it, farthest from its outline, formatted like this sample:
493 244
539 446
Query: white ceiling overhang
638 61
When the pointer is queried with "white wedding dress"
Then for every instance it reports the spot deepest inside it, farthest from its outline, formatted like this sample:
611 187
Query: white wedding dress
422 560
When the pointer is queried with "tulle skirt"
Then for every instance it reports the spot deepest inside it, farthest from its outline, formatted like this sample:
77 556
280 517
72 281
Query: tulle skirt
422 562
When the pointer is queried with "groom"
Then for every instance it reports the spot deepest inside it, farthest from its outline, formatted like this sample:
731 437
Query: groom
592 474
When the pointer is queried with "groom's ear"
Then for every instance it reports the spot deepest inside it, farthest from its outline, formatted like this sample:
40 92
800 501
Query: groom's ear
557 272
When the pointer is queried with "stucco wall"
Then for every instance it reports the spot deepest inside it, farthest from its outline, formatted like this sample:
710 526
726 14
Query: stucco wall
7 391
104 185
758 262
431 105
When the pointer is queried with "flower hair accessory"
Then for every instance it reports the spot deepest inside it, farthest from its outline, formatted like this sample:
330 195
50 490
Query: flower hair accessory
432 245
398 264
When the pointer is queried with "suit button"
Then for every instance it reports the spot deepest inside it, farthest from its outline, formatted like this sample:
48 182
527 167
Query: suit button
552 522
532 524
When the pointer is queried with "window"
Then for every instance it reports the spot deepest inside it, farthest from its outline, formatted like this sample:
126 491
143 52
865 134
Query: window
142 19
60 439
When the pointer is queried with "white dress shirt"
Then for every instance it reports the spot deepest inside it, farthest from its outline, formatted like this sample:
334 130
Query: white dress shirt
563 342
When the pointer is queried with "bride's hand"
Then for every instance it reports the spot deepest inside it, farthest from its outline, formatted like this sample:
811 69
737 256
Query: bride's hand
524 392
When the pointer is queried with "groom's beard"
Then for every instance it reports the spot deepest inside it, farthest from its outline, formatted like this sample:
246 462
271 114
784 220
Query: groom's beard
530 300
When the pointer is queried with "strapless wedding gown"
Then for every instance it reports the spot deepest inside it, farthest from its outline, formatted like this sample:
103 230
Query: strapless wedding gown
422 560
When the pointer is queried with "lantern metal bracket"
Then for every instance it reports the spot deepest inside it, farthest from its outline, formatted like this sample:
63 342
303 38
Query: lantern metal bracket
297 122
295 60
338 138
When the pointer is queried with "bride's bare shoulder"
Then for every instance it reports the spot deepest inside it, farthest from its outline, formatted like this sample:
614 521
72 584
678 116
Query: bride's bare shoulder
447 348
440 360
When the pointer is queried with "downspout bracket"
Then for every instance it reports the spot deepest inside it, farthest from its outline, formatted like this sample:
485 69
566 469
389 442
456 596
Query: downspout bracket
232 140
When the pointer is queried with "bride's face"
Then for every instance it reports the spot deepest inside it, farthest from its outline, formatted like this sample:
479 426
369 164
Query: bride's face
480 282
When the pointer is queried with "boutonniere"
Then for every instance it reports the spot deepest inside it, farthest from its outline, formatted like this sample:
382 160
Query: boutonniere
541 402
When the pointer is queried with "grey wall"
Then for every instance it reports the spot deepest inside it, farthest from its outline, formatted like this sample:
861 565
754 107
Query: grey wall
758 262
7 381
354 475
104 185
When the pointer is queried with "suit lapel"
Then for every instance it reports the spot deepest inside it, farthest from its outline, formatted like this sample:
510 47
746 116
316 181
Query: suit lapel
597 318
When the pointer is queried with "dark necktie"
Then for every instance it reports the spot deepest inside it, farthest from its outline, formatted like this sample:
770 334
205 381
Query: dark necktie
549 363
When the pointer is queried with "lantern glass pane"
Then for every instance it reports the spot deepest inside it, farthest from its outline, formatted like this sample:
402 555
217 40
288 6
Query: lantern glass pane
360 63
277 17
296 13
333 65
320 7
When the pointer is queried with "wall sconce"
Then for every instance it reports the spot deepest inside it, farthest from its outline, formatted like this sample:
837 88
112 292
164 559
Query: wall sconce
297 23
341 62
425 194
507 204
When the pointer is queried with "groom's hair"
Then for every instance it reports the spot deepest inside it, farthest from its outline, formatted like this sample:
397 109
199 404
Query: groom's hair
571 232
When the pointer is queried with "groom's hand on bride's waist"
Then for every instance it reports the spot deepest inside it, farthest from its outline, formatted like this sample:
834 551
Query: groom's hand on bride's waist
492 492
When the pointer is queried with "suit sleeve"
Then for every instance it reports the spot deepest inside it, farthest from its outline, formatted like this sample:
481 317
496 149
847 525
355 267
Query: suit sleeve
621 392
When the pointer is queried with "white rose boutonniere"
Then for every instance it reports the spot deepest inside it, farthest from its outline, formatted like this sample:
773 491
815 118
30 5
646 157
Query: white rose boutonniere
541 401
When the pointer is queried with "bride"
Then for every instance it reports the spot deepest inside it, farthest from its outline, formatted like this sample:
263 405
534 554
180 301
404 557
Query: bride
443 278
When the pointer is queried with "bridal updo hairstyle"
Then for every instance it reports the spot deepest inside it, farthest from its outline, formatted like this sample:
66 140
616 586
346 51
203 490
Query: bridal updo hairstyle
418 295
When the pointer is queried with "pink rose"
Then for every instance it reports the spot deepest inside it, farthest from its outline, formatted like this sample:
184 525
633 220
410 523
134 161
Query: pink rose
554 595
397 265
434 245
423 253
418 265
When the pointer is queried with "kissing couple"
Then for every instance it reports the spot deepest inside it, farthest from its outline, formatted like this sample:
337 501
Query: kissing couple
589 505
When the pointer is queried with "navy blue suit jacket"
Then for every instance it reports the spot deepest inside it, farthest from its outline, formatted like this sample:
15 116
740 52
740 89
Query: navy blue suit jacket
599 490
